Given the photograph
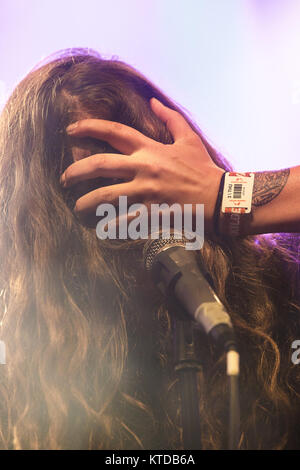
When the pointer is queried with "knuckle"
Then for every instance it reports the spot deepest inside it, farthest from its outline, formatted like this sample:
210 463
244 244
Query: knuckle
151 169
155 170
106 195
99 160
114 128
149 190
117 126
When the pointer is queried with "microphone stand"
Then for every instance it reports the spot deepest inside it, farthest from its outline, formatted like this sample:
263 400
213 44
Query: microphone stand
187 366
177 274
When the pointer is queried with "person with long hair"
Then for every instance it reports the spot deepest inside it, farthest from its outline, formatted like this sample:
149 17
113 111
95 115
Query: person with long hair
88 338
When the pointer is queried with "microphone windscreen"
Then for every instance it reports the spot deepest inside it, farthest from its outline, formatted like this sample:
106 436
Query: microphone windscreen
159 242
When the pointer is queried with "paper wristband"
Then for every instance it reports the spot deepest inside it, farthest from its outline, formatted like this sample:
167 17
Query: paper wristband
237 198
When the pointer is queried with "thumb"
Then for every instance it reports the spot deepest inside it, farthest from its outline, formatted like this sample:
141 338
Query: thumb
174 121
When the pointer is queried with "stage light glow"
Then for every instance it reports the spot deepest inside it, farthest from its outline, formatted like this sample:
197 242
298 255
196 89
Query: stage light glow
235 65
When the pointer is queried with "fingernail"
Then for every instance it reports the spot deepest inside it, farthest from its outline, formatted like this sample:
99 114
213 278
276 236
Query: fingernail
63 180
71 127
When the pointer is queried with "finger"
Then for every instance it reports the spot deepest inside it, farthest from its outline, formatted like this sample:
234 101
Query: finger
107 195
175 122
106 165
123 138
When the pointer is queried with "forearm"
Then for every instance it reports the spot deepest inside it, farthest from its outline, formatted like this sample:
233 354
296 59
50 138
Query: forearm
275 203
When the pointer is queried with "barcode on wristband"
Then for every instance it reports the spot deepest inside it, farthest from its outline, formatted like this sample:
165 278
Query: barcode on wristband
237 193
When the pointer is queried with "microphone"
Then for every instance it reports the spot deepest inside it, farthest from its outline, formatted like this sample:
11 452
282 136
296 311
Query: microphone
177 274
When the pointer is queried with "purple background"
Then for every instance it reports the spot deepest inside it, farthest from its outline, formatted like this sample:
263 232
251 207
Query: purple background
234 64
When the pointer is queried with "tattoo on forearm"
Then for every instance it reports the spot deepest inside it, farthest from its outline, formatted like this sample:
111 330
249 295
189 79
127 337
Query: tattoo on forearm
267 186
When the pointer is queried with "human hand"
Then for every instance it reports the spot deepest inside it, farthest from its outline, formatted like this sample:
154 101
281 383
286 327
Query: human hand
151 172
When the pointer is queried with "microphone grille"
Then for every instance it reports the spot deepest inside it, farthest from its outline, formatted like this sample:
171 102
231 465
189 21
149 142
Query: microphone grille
154 246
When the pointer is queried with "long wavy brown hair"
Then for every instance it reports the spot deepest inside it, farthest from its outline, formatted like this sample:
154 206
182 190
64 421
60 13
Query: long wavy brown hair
88 338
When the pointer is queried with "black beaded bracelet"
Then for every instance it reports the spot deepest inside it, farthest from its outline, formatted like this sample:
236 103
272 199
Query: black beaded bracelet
216 215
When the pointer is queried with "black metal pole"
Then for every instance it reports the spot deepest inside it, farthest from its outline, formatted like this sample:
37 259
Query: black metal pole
187 366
